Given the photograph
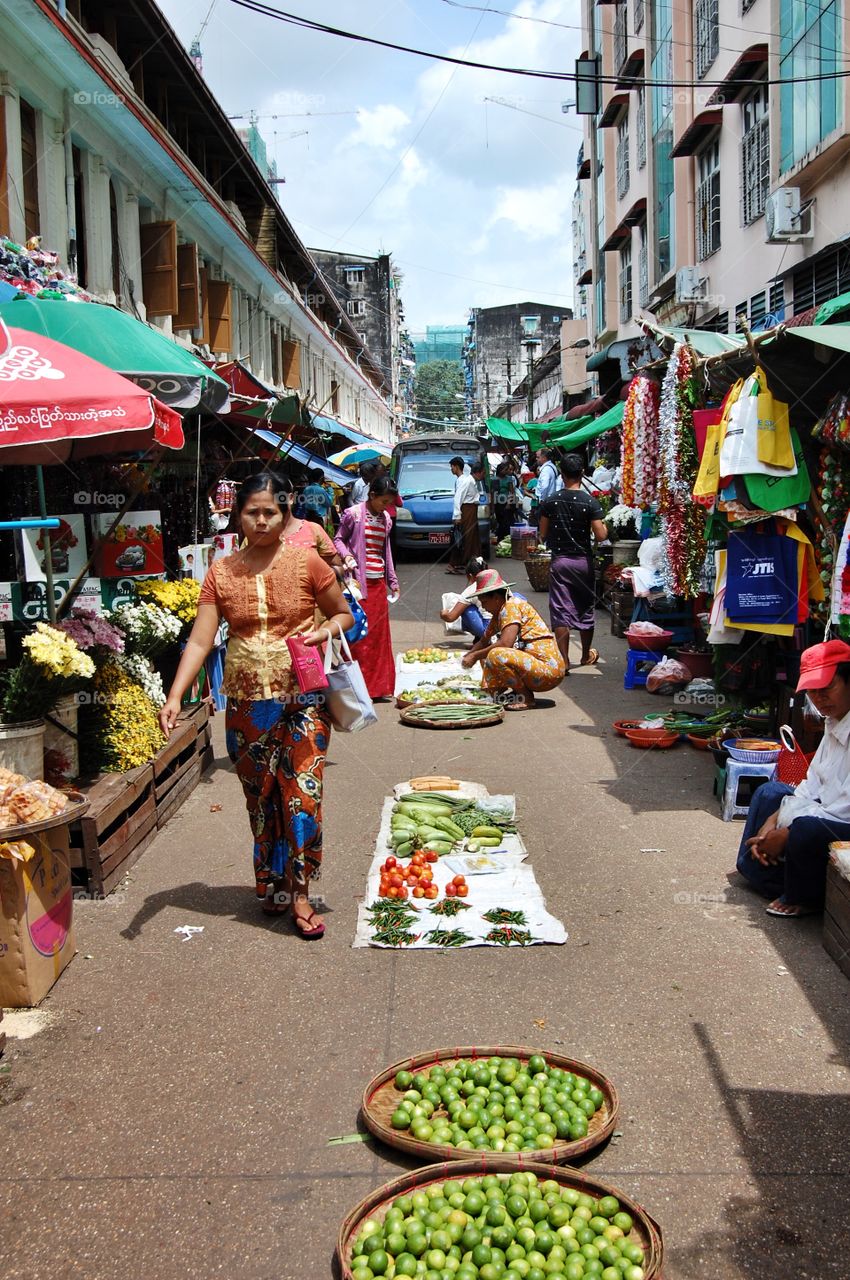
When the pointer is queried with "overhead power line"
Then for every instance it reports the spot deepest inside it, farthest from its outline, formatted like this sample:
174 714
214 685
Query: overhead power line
569 77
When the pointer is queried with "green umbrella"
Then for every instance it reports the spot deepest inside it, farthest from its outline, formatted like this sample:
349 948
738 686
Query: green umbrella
142 354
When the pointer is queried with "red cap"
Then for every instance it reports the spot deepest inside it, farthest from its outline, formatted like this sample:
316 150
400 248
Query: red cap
818 664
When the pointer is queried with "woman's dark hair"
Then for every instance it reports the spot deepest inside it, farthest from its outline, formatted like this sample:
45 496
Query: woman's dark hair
572 466
475 566
279 486
382 486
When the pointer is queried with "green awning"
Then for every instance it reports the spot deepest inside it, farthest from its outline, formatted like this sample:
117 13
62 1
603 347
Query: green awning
597 360
595 427
707 343
835 307
558 431
836 336
512 432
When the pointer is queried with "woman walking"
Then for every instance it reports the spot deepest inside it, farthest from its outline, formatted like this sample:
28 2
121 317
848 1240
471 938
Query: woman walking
306 533
277 737
568 523
363 541
518 653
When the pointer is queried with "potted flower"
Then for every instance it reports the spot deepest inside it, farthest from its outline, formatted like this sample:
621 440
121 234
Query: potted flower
623 530
53 667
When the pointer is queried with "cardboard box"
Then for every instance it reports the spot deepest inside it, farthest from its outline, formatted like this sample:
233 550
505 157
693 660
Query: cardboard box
36 917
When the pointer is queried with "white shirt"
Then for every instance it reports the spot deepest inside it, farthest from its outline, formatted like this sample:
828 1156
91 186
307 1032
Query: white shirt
825 791
548 482
466 490
360 491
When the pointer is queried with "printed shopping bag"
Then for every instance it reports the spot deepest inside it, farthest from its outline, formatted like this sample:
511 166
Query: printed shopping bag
346 697
761 578
777 493
774 428
708 479
739 449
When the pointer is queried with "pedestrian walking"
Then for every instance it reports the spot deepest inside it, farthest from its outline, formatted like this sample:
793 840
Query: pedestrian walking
466 541
363 541
549 481
518 653
317 500
360 492
277 737
568 523
784 850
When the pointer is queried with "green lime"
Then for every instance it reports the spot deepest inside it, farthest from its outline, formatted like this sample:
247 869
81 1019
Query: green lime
504 1236
608 1206
634 1273
400 1118
405 1265
515 1206
623 1221
396 1243
612 1273
633 1252
379 1262
496 1215
536 1063
417 1243
403 1080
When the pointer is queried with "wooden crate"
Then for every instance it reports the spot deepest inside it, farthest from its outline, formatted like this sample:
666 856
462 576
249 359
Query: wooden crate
118 827
836 919
126 810
178 767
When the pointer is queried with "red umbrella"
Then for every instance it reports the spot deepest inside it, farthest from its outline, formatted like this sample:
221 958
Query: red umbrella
56 403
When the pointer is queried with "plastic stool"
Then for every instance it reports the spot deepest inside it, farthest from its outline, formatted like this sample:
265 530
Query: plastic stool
736 770
634 678
215 675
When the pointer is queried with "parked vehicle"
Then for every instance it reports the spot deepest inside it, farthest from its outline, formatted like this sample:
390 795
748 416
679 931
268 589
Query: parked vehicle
420 468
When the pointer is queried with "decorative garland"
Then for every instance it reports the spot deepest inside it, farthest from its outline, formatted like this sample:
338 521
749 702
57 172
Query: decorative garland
683 523
640 444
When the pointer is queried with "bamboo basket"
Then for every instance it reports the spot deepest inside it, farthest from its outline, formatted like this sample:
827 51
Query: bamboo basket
645 1232
417 722
538 568
380 1100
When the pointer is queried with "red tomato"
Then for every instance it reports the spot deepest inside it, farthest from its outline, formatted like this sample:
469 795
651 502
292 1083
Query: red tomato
451 890
390 862
396 879
458 880
431 891
462 890
392 892
431 856
418 892
402 893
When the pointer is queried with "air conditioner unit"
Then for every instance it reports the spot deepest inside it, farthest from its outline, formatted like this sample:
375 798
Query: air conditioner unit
785 218
690 285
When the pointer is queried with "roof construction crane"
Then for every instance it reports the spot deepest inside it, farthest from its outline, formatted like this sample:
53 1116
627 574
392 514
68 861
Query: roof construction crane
195 47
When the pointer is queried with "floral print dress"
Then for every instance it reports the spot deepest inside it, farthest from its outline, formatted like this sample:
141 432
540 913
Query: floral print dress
534 664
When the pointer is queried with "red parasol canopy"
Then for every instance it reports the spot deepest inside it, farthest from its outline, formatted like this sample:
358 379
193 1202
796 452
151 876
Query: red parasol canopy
56 403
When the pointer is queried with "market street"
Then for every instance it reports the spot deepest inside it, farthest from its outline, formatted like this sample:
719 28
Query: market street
172 1115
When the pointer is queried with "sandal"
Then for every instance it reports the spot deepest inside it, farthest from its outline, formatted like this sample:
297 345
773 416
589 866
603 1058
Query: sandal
276 904
306 928
591 659
788 911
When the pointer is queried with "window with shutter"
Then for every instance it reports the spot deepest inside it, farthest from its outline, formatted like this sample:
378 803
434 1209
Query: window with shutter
29 159
159 267
220 317
291 364
188 291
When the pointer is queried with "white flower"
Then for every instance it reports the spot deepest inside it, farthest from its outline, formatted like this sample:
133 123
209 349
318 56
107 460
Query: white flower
140 670
621 516
148 628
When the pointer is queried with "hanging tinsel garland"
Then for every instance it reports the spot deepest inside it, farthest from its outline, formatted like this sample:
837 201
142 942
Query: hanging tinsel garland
682 522
640 444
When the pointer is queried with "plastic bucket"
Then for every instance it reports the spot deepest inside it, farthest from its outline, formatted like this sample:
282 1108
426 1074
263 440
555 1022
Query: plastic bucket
22 748
61 747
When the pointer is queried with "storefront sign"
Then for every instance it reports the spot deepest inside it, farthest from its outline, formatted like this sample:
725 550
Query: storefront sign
67 546
134 548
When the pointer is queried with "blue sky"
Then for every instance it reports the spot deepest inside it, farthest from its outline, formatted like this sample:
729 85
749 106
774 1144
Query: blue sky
396 154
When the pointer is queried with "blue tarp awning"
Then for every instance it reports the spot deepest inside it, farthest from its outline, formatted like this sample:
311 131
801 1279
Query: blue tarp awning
331 426
307 459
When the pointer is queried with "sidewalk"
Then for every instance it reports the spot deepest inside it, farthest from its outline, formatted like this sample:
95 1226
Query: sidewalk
171 1117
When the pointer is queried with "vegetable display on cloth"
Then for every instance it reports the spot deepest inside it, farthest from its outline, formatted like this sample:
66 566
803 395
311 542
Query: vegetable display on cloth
457 714
639 483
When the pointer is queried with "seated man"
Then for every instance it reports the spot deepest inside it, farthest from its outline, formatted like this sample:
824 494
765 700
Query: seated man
785 847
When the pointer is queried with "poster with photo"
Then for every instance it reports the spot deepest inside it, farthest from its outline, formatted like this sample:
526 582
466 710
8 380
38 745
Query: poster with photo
68 548
134 548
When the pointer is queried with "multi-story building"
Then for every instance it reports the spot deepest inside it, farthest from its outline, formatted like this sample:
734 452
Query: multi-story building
370 291
497 344
714 172
115 153
440 342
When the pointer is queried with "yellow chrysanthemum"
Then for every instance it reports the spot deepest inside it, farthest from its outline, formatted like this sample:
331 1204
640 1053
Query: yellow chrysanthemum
179 598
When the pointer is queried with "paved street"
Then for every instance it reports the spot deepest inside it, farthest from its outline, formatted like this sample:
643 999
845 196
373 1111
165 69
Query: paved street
172 1116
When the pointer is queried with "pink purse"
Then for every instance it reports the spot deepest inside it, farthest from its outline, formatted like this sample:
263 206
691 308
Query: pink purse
308 664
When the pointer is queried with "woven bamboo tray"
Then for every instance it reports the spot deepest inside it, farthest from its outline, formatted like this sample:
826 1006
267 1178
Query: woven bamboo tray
417 723
380 1100
404 704
645 1232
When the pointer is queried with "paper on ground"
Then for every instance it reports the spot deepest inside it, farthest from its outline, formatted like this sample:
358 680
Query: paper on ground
408 675
515 887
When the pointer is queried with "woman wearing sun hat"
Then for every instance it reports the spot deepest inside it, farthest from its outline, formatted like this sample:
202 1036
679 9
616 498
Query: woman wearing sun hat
785 847
518 653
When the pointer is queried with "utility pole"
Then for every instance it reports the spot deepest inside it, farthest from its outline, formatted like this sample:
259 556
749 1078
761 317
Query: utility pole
529 347
530 328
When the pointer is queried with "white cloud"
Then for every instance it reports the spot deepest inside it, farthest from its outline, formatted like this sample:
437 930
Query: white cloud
379 126
540 213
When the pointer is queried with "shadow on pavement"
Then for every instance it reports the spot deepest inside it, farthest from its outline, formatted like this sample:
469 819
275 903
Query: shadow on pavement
238 902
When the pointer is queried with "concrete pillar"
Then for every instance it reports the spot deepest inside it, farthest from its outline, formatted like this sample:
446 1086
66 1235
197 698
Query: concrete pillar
131 252
98 230
51 186
17 227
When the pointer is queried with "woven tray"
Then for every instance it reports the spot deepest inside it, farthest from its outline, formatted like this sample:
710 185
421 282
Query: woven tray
404 704
76 807
381 1097
417 723
645 1232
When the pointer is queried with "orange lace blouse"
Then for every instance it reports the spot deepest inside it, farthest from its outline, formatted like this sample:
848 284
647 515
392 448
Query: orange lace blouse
261 610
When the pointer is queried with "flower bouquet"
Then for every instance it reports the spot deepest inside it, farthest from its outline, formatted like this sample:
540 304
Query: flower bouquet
623 522
53 666
178 598
123 731
148 630
92 633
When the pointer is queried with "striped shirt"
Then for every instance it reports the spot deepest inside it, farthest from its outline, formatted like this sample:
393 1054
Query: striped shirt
376 537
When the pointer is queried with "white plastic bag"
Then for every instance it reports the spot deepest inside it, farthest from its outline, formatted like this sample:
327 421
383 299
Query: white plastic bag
450 599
